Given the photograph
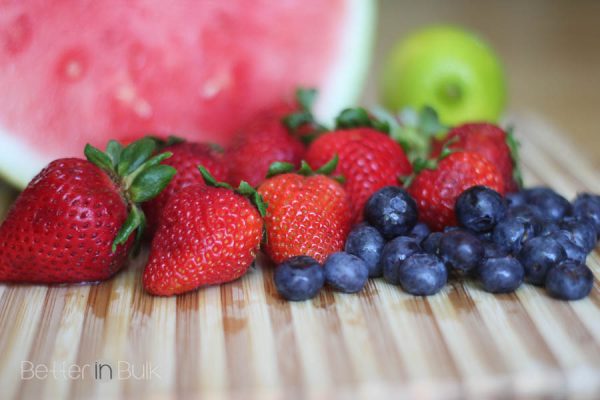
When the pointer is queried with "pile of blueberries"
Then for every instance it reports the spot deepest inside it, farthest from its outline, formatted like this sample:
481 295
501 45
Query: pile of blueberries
535 235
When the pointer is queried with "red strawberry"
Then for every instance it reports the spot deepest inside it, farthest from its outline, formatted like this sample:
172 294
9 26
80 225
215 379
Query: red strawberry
308 214
436 190
186 158
74 220
368 160
490 141
255 148
274 136
209 234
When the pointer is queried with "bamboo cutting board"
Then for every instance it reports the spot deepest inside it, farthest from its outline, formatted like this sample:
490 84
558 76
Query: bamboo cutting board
241 341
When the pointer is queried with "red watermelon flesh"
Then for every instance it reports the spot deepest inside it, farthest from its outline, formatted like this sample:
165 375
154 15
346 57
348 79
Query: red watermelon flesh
75 71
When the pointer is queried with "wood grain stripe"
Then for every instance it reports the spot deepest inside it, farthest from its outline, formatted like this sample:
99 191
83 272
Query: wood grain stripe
20 313
151 341
469 342
41 350
291 373
423 353
527 355
68 334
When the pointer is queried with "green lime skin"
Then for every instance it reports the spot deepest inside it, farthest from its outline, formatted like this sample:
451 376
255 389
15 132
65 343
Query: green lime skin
448 68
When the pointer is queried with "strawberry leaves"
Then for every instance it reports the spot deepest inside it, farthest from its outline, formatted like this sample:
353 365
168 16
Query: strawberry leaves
279 168
514 145
414 129
360 118
244 189
302 123
139 172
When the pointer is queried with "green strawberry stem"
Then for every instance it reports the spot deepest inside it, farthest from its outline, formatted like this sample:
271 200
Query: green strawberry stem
279 168
421 164
414 129
139 173
244 189
359 117
299 120
514 145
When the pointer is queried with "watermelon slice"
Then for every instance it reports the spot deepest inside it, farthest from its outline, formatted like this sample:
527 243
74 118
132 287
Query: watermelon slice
75 71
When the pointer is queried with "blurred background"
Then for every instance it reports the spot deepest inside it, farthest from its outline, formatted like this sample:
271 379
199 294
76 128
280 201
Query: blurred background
550 49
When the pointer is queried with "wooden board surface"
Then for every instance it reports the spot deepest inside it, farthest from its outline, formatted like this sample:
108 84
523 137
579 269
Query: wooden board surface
241 341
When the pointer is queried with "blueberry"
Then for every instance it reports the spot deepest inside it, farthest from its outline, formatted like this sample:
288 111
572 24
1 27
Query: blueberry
299 278
552 205
569 280
484 236
422 274
515 199
420 231
365 242
452 228
345 272
394 253
547 228
511 233
538 256
583 231
392 211
501 275
480 208
588 205
431 244
565 239
529 214
492 250
461 251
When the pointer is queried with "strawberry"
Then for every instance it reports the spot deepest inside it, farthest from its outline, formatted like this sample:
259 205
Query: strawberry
255 148
186 158
308 213
368 159
275 135
437 184
208 234
75 219
490 141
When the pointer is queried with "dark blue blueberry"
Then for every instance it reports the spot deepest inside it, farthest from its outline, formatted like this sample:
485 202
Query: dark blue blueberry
565 239
501 275
492 250
529 214
365 242
569 280
588 205
552 205
511 233
485 236
431 244
479 208
394 253
547 228
461 251
515 199
420 231
583 231
538 256
452 228
422 274
345 272
299 278
392 211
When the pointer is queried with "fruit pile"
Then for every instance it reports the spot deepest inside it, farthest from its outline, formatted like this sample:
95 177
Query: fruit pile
328 206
